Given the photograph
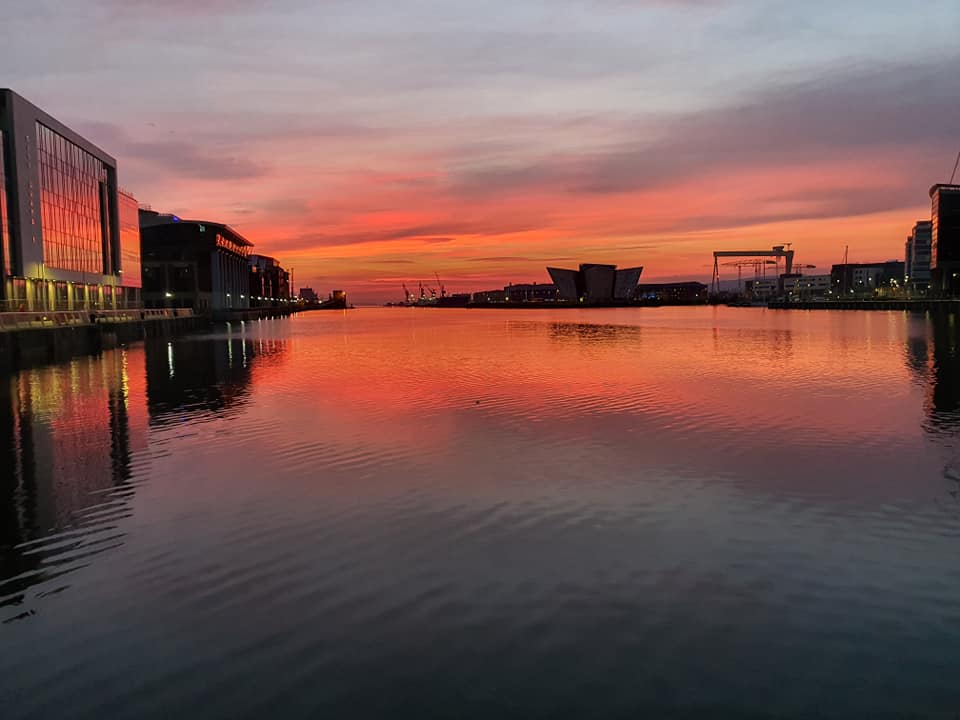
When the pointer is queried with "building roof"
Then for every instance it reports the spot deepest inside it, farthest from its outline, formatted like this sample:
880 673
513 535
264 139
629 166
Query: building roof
943 186
153 218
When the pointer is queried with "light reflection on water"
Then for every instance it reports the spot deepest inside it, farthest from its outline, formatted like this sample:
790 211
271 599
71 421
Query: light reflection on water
489 513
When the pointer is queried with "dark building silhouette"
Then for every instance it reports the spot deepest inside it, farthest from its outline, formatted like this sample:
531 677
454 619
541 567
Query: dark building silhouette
945 240
864 279
530 292
69 236
595 283
193 264
269 283
679 293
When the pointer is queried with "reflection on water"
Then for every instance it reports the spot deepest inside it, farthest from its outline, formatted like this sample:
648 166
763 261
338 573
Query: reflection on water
687 512
214 374
69 434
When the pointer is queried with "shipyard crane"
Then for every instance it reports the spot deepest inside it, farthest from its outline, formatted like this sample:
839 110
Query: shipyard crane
759 269
406 293
443 290
776 252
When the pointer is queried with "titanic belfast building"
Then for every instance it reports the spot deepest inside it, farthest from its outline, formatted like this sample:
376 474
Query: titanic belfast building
69 236
593 283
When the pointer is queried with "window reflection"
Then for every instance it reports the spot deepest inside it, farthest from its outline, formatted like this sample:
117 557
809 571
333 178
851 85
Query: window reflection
5 238
73 205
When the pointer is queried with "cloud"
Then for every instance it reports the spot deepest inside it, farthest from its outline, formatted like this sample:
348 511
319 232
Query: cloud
178 157
866 111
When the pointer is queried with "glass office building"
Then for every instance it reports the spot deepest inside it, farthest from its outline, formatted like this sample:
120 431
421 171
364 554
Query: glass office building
6 252
71 241
945 240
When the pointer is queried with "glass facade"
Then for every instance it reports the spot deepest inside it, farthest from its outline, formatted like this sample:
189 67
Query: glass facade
74 204
129 241
6 238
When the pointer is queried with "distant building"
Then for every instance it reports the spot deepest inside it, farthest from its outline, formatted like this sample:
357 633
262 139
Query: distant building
269 283
69 237
595 283
680 293
762 288
193 263
866 279
490 296
531 292
308 294
917 257
805 287
945 240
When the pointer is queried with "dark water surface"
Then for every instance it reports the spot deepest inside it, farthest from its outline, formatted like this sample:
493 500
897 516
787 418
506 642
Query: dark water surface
482 514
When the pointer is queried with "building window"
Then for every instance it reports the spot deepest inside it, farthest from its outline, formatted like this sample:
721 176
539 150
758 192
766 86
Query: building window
74 205
130 270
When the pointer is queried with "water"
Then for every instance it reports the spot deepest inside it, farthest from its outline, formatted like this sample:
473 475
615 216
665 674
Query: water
444 513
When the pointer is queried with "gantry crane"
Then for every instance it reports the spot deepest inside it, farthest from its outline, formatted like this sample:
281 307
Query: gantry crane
776 252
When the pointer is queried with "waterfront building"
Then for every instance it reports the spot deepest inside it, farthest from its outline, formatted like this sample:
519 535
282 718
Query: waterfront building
806 287
269 283
596 283
69 236
917 257
490 296
945 240
866 279
678 293
195 264
530 292
762 288
309 294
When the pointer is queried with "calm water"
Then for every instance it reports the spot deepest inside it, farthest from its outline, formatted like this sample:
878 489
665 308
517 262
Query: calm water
481 514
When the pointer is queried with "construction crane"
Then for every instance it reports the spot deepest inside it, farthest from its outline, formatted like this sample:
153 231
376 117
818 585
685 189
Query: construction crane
443 290
759 269
406 293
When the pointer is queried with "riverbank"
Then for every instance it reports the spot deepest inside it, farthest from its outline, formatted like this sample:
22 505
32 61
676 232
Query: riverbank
936 306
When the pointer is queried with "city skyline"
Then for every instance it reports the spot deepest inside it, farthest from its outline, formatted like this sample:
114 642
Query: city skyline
367 145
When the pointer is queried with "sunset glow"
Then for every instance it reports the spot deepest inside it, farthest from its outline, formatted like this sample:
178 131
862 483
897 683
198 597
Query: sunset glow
370 143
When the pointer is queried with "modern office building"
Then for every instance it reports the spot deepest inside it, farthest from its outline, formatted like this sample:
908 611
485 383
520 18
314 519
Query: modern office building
269 283
595 283
69 234
193 264
917 257
865 279
945 240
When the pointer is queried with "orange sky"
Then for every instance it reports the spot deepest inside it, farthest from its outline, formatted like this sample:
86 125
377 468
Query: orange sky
366 144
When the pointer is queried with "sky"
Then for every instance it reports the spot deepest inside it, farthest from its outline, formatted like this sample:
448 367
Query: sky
367 143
